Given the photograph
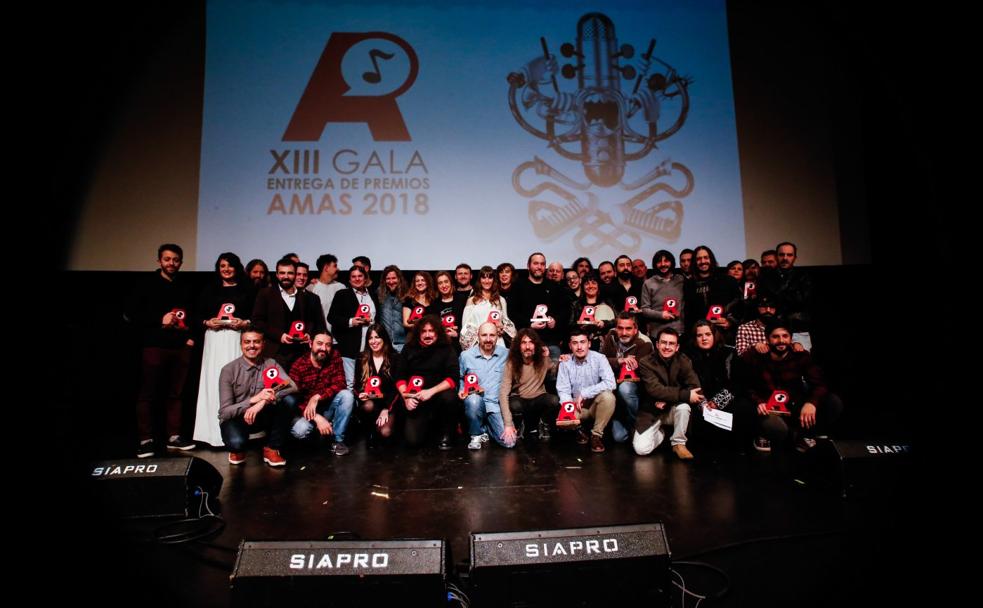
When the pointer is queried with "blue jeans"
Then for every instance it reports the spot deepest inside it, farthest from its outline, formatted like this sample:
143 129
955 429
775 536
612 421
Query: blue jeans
480 420
274 418
337 411
624 421
349 365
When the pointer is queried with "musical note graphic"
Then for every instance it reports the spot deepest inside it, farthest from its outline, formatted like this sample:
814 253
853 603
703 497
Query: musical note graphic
375 76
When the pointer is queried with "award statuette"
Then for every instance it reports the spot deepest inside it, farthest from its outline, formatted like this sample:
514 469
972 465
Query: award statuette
363 312
448 321
415 385
179 318
495 317
416 314
226 313
778 403
541 314
631 304
716 312
296 332
373 387
627 375
750 290
471 386
671 306
568 415
272 379
587 316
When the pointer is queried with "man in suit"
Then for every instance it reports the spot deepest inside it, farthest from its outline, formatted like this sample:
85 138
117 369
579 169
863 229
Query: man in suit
347 324
278 310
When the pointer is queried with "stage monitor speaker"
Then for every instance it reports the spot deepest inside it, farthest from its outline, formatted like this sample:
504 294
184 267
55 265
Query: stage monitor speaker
598 566
154 487
856 467
341 573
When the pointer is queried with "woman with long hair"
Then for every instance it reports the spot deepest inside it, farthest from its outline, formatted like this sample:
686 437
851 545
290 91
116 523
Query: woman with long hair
713 361
485 300
421 294
378 399
391 292
225 305
450 302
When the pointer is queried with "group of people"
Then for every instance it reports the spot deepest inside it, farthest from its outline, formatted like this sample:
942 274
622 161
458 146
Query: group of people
502 358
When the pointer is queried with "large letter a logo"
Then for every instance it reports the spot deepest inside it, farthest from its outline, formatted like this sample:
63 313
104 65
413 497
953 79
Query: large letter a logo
325 100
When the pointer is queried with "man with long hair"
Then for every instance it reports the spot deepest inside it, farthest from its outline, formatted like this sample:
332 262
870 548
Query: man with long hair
523 386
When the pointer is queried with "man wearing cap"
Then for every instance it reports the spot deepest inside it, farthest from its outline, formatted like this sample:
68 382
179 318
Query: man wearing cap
752 334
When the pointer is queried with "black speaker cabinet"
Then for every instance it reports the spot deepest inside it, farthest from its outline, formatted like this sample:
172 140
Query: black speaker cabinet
599 566
341 573
153 487
856 467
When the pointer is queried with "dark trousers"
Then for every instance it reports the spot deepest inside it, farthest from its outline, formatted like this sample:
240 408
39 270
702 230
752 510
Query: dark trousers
164 371
442 410
531 411
275 419
777 429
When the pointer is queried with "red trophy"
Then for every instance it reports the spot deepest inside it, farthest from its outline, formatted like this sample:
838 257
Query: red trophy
627 375
373 388
226 312
471 385
415 386
179 317
587 316
631 304
416 315
568 415
364 312
716 312
448 321
272 379
495 317
778 403
297 331
540 315
671 306
750 290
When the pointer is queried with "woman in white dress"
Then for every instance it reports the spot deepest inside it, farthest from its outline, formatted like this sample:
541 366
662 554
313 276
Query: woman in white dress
225 306
480 306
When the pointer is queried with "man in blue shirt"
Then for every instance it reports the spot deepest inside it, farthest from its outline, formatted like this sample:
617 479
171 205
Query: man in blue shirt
486 361
586 379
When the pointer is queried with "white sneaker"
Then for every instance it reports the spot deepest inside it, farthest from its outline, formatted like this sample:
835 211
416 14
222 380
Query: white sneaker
475 443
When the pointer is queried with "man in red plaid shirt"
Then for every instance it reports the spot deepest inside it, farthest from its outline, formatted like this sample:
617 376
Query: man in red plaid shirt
326 404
